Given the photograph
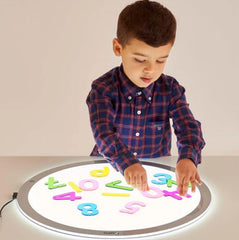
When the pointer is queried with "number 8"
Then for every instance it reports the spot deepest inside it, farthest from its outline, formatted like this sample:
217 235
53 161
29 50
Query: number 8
88 209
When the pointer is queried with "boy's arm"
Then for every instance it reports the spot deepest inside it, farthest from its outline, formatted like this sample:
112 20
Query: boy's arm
108 141
189 140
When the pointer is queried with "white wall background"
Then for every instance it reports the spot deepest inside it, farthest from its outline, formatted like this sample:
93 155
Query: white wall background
51 51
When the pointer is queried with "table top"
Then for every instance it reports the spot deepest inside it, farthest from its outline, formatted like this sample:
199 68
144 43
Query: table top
220 173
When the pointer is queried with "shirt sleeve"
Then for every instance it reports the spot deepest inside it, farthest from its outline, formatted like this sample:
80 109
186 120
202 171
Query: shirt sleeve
188 131
102 112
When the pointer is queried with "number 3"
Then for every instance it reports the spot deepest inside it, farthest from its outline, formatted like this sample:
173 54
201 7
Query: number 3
162 178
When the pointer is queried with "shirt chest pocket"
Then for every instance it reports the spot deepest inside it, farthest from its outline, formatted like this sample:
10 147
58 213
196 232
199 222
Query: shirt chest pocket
154 128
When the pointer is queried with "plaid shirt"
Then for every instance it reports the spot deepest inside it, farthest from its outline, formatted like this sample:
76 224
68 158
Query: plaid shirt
130 123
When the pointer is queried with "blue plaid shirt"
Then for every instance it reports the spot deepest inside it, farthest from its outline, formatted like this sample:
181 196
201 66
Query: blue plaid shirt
130 123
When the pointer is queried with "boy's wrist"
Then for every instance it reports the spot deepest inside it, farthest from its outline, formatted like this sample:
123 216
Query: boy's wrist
189 153
124 160
126 165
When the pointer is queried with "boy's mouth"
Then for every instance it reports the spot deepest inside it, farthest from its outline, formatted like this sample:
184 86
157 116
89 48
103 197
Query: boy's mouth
146 80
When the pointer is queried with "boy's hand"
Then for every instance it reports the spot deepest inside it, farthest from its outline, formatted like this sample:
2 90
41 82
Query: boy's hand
136 176
186 172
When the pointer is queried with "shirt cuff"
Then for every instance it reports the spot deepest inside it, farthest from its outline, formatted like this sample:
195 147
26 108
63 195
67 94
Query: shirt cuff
125 160
190 153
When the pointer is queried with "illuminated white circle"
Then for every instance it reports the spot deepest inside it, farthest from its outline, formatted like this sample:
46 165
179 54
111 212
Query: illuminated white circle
91 199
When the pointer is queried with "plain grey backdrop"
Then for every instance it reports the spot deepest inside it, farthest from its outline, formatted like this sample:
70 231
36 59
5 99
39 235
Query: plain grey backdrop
51 51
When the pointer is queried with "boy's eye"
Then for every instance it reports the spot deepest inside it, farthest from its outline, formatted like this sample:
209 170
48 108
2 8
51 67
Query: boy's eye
139 60
161 62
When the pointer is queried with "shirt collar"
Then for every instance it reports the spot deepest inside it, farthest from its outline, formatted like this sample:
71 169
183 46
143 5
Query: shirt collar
131 91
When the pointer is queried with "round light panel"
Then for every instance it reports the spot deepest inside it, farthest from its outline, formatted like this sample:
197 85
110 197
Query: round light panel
91 199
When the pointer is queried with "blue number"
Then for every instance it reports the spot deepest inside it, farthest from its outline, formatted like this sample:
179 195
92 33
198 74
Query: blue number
88 209
162 178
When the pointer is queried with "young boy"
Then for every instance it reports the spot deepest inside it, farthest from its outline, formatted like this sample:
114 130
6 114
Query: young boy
130 106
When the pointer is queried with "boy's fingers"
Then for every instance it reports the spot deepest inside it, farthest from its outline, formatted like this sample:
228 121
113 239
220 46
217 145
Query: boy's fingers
198 179
180 184
145 183
139 183
185 186
193 185
134 181
127 179
193 182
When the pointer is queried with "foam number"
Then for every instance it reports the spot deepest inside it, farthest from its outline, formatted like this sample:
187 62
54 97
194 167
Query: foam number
174 194
149 194
67 196
75 187
52 183
83 186
130 209
116 194
100 173
115 185
170 182
88 209
162 178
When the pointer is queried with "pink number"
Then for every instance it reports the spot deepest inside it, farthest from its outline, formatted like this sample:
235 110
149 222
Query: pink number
95 184
67 196
158 194
174 194
130 209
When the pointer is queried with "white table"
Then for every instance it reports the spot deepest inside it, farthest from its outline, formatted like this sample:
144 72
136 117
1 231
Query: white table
219 173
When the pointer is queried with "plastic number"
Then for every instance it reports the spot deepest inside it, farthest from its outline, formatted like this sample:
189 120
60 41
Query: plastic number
115 185
88 209
75 187
174 194
95 184
162 178
170 182
67 196
158 192
130 209
51 183
100 173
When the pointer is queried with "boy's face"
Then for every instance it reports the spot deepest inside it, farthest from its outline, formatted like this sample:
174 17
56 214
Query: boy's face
142 63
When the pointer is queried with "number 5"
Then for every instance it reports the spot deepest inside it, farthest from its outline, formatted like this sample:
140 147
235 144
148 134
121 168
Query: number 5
130 209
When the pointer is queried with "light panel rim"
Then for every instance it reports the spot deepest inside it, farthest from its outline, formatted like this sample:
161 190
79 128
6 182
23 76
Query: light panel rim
30 213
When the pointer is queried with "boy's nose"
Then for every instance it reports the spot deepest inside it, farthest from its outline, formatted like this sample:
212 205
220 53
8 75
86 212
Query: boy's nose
149 68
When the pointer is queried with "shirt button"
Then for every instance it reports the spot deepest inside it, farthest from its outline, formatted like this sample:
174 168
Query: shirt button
135 153
137 134
149 98
129 97
138 112
139 93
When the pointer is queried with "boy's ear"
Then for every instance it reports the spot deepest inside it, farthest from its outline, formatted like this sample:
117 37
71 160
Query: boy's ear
117 47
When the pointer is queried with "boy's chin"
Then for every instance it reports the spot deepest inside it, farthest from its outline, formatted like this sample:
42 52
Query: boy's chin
143 84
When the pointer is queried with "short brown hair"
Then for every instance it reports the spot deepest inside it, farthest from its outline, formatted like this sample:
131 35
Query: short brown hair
146 21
